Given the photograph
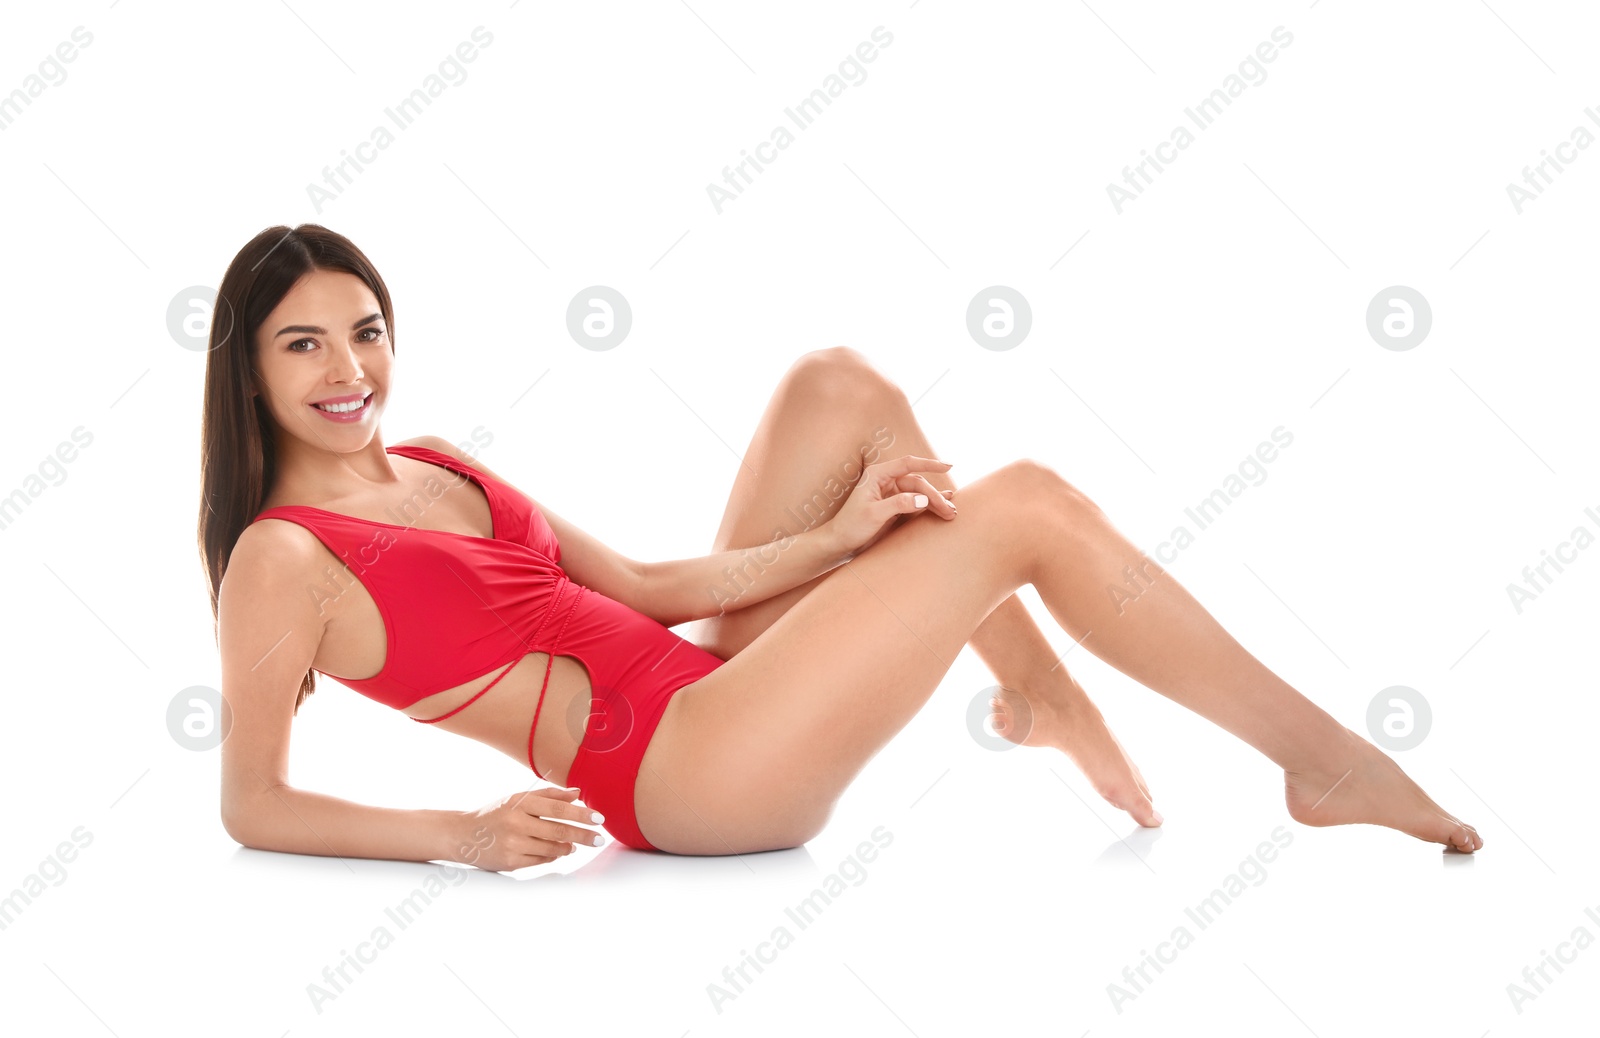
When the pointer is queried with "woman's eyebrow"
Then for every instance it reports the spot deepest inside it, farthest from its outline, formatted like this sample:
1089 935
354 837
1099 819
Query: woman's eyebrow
311 329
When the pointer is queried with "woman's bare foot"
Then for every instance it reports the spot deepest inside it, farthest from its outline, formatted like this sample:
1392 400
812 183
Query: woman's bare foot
1077 729
1362 784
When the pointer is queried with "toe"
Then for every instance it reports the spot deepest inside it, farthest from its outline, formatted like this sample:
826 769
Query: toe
1467 837
1144 810
1139 806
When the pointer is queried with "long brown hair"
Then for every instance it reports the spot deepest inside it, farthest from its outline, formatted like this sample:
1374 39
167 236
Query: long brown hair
237 465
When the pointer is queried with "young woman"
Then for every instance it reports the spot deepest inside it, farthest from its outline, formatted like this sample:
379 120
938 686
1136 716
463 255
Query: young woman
842 584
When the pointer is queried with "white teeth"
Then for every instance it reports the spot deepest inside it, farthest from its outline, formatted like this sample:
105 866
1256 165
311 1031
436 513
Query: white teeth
354 405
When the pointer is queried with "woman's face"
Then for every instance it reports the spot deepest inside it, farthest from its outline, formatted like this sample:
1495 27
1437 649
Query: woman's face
326 343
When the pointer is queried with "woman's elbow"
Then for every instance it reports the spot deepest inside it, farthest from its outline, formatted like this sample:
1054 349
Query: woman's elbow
235 828
243 827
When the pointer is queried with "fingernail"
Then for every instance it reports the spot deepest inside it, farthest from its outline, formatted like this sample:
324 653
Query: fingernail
596 816
599 839
921 500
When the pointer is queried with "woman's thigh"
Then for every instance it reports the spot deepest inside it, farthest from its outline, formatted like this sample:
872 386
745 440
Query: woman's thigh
754 755
831 412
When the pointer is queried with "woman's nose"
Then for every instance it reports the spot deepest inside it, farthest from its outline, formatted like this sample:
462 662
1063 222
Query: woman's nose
343 361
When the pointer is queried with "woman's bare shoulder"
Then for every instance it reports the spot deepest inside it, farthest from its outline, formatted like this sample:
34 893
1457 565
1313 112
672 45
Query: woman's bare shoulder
444 446
271 551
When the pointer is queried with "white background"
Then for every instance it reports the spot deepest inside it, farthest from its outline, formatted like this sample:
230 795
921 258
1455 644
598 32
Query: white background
1166 343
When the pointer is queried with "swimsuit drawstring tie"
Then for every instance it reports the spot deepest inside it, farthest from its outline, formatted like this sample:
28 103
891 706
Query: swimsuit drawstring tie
550 659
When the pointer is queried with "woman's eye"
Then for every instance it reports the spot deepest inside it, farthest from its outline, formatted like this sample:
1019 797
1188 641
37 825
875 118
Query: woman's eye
377 333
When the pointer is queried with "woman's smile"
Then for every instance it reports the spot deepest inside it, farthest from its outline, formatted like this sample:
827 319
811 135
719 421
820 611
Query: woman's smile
344 409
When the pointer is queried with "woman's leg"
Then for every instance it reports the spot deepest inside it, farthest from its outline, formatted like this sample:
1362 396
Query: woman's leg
754 755
831 413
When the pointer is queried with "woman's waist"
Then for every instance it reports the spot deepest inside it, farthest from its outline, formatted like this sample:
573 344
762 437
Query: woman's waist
499 709
620 639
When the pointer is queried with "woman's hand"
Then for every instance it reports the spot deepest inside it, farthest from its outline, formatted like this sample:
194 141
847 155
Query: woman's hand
522 830
886 491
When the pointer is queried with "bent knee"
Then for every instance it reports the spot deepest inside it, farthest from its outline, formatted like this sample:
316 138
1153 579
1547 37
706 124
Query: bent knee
1027 482
841 374
1032 475
835 357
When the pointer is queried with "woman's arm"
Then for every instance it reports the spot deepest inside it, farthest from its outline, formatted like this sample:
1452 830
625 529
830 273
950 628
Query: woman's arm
680 590
269 629
297 821
887 493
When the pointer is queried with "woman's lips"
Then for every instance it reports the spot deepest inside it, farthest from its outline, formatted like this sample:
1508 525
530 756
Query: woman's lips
346 417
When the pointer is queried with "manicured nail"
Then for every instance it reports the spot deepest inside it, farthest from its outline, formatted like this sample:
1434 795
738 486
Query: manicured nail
921 500
596 816
599 839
